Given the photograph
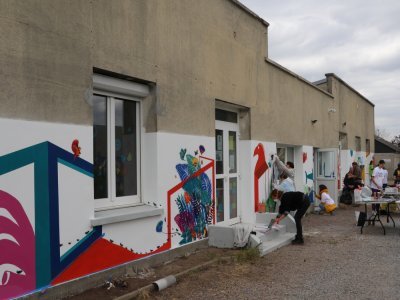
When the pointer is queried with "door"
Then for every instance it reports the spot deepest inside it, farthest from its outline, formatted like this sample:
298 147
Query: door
327 170
226 145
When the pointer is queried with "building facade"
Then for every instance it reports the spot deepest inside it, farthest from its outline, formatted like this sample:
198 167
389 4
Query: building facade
129 126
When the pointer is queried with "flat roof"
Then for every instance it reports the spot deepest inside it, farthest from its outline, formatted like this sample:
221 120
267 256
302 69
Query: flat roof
249 12
275 64
350 87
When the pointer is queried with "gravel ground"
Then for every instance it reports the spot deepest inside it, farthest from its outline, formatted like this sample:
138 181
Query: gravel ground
336 262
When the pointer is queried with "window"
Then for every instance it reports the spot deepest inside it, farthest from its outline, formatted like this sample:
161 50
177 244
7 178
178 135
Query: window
358 143
343 140
285 154
116 142
226 116
326 164
367 147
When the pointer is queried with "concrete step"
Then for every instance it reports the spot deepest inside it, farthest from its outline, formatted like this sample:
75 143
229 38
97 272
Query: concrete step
276 243
268 234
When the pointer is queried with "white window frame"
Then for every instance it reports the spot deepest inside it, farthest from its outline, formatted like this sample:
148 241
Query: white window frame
113 88
286 148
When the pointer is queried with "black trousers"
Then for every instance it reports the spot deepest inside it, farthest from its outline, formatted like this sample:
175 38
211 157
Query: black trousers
299 214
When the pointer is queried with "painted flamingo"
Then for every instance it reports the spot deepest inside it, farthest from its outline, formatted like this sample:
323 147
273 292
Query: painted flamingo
260 168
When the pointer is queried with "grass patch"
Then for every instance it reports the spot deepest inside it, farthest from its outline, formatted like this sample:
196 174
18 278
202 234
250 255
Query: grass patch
248 255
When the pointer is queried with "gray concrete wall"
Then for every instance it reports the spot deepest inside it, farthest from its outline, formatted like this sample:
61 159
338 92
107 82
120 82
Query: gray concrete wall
192 52
45 60
285 110
354 110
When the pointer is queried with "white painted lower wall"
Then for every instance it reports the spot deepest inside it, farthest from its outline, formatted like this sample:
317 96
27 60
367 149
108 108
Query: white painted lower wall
177 176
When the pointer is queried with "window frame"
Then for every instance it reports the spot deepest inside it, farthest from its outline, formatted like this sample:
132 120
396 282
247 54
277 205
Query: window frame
112 93
357 141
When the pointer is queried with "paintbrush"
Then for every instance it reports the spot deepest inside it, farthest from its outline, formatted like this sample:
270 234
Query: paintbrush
272 222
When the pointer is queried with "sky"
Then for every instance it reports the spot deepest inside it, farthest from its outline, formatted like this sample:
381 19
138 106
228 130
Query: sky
358 40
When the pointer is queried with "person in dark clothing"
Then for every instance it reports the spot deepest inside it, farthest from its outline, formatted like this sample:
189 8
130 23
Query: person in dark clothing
292 201
396 175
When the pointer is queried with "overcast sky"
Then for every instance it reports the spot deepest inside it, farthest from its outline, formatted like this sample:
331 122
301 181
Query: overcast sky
358 40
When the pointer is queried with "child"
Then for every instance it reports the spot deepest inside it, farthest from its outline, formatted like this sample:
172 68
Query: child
327 204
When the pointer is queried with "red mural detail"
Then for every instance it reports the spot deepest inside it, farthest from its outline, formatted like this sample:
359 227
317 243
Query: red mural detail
304 157
101 255
75 148
260 168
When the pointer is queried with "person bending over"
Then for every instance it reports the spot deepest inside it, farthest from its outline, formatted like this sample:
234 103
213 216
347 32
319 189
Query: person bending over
292 201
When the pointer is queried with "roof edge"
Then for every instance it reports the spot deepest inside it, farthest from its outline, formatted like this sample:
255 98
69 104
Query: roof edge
387 143
249 12
350 87
320 81
275 64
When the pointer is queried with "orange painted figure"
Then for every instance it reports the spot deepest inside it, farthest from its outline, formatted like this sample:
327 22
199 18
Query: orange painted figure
260 168
75 148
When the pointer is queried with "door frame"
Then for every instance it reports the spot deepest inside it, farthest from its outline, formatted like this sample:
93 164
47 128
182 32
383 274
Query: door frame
226 127
331 180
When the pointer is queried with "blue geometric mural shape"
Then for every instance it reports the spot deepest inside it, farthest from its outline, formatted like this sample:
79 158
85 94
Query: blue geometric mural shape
45 158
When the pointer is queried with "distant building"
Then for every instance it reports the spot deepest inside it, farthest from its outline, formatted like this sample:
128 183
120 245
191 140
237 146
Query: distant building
389 152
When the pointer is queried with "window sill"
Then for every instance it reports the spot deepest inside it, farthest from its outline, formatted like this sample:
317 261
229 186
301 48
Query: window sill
125 214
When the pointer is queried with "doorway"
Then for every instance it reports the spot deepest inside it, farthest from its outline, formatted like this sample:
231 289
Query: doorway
226 158
326 170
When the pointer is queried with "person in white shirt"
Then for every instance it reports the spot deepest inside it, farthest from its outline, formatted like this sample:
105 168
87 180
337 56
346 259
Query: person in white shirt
377 177
286 184
377 182
287 168
327 204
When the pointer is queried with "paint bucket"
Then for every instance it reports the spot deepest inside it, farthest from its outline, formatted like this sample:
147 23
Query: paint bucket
165 282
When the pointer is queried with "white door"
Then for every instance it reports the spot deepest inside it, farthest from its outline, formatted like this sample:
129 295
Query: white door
327 171
226 146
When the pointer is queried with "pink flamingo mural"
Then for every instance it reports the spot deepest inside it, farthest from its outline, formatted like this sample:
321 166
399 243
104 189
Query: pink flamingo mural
17 244
260 168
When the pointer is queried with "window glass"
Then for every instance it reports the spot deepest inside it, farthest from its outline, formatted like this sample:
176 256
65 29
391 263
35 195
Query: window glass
100 152
358 143
226 116
233 197
220 199
281 152
343 140
125 148
219 154
232 152
326 164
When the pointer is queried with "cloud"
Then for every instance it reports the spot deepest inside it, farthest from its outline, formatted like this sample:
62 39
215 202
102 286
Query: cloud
358 40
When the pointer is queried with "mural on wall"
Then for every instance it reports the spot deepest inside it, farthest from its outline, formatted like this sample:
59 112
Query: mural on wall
17 244
308 167
260 168
195 202
30 256
41 260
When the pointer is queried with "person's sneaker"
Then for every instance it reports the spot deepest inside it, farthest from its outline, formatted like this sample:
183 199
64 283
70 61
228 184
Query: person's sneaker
298 242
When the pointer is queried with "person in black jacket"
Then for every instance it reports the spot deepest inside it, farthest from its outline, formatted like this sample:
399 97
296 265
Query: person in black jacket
292 201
